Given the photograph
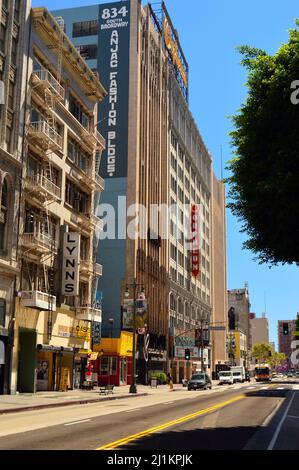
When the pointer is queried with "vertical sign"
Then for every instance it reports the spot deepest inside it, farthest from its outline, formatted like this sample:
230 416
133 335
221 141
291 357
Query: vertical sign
195 251
113 65
70 266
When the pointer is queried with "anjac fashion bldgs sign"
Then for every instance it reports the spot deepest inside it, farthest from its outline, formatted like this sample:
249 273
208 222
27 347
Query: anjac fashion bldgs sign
70 267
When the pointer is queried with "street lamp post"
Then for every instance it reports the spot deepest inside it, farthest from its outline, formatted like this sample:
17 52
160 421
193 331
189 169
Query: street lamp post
111 322
133 387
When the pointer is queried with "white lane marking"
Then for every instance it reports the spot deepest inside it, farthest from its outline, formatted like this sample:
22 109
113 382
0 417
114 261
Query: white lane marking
78 422
280 388
130 411
264 388
290 416
168 402
250 388
276 434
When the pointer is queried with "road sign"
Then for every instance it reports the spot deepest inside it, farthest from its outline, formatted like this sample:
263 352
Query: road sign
217 328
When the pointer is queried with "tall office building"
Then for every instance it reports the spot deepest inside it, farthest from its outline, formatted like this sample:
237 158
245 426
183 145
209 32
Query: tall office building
190 188
155 155
238 315
285 336
219 287
12 109
120 41
56 301
259 330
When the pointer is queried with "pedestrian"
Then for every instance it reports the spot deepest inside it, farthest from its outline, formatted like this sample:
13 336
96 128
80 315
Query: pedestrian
170 381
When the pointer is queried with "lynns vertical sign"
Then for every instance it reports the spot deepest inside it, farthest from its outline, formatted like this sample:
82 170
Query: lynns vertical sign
113 66
70 267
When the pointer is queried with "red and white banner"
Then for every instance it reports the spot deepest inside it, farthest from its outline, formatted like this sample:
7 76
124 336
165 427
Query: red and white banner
195 244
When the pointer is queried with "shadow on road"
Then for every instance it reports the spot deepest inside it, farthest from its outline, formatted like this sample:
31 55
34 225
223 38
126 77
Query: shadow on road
196 439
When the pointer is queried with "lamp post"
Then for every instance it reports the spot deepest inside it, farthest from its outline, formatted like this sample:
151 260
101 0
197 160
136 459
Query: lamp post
111 322
203 319
133 387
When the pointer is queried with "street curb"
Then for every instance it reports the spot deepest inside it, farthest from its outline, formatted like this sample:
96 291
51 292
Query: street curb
77 402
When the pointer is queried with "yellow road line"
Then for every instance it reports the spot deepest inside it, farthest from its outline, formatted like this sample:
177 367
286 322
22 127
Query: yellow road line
161 427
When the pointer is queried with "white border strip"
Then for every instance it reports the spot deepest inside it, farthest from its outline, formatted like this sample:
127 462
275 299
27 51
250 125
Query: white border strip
274 439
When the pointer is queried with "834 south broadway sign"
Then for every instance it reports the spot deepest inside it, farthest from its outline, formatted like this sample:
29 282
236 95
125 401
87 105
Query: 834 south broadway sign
113 64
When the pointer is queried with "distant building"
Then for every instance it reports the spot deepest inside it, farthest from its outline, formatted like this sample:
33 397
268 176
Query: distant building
259 330
285 340
12 114
219 297
238 313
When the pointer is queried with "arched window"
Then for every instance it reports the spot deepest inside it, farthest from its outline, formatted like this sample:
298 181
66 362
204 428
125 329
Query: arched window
2 311
3 214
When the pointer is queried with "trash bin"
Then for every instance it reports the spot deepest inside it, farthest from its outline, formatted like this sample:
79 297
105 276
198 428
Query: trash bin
154 383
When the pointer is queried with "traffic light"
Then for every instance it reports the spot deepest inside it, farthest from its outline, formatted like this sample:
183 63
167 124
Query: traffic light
285 328
187 354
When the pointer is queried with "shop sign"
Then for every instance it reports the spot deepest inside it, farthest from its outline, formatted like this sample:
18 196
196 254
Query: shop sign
70 266
180 352
93 356
96 332
81 330
113 64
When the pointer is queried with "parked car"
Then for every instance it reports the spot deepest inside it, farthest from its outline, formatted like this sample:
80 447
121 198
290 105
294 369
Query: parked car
226 377
199 381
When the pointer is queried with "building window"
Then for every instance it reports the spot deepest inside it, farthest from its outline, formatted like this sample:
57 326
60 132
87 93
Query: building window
3 214
17 10
76 198
88 51
11 89
2 311
77 156
85 28
2 38
77 111
14 50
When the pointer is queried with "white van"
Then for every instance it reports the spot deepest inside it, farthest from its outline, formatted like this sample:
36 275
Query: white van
226 377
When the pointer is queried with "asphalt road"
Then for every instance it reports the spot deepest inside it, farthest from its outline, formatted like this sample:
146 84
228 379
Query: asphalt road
217 419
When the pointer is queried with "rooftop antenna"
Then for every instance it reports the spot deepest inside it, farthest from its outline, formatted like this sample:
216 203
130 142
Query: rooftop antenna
221 159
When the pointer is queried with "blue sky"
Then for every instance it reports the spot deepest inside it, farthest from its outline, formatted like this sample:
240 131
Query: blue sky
209 32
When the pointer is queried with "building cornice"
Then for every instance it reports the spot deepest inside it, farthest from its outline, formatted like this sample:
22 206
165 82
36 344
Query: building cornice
48 28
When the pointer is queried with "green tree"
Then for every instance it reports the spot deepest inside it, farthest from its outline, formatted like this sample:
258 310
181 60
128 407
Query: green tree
277 359
264 189
262 352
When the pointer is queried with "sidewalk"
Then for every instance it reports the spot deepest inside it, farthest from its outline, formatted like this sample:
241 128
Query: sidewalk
39 400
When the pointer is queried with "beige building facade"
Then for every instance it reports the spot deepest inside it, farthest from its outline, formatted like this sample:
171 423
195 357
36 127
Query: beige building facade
259 330
219 286
12 108
56 312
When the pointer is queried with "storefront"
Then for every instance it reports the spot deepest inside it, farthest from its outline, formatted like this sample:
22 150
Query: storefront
54 368
114 365
3 365
57 364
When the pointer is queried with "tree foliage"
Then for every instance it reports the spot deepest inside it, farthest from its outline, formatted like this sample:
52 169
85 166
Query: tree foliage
277 359
264 181
262 352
